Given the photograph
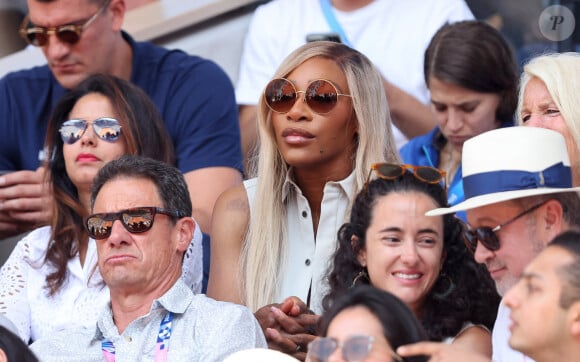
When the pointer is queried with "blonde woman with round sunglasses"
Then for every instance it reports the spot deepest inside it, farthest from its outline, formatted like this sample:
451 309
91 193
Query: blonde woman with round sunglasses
323 120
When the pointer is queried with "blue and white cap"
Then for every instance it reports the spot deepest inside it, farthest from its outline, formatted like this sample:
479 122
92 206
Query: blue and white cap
511 163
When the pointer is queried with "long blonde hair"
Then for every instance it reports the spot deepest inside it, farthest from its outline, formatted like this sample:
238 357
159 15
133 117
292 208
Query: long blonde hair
264 249
560 72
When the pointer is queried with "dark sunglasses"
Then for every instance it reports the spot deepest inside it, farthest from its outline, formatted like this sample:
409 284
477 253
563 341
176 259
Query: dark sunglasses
107 129
355 348
392 171
136 220
320 95
68 33
487 236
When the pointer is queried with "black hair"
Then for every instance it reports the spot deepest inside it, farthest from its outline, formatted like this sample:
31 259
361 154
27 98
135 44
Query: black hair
170 183
570 273
14 348
453 300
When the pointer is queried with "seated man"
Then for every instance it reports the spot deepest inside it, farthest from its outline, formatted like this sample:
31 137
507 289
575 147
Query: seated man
518 197
545 303
142 228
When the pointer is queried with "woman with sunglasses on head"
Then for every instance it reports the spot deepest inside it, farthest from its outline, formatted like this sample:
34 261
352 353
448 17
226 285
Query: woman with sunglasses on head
323 120
390 243
366 324
50 280
472 77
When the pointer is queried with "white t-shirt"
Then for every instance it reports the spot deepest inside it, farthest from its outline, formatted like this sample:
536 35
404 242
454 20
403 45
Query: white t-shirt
35 314
502 352
393 34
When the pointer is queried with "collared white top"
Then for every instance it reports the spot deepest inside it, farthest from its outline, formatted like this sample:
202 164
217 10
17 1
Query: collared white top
25 301
308 257
202 330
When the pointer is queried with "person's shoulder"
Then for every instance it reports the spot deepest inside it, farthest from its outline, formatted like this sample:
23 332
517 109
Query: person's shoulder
147 52
35 243
414 147
209 308
58 344
280 8
437 11
21 78
238 193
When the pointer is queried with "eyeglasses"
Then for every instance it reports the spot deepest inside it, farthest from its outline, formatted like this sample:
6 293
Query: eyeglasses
392 171
136 220
107 129
355 348
487 235
68 33
320 95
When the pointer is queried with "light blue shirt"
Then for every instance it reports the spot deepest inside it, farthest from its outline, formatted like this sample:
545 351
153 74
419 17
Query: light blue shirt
203 330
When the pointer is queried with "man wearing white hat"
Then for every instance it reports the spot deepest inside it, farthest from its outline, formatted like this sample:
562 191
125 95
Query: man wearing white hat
518 196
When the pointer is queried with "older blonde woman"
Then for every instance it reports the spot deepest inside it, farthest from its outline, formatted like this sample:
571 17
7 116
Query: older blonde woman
549 97
323 120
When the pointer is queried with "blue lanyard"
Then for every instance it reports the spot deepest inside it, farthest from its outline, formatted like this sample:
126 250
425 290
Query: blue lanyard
161 348
332 22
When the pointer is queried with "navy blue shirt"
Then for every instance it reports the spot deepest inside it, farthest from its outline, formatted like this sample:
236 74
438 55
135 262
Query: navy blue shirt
194 96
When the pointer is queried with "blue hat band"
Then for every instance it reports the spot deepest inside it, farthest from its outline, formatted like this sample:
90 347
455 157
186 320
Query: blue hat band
556 176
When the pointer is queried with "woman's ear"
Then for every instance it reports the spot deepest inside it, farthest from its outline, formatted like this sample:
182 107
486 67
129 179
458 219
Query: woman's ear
362 254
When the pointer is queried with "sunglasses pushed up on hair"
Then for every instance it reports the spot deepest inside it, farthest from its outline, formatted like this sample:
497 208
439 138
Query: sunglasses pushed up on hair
68 33
107 129
136 220
392 171
320 95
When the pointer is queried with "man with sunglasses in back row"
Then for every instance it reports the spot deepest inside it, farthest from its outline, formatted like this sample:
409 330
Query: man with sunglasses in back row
82 37
518 197
142 228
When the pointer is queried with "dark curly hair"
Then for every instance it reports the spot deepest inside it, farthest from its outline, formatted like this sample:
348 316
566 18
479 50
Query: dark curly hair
464 291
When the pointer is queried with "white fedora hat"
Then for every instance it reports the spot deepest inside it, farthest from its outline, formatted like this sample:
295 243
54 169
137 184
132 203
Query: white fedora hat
259 355
511 163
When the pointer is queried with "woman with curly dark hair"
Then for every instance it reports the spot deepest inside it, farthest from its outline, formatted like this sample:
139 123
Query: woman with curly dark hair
390 244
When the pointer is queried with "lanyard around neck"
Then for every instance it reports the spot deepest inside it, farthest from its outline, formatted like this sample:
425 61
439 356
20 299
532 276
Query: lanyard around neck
161 348
332 22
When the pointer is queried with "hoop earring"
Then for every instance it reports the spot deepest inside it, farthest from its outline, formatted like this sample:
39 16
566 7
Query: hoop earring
445 280
361 275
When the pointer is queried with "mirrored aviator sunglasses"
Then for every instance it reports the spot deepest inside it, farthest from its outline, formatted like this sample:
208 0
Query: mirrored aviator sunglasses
320 95
136 220
107 129
392 171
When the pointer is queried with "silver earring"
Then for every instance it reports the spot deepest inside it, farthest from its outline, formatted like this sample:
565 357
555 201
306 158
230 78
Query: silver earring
361 274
